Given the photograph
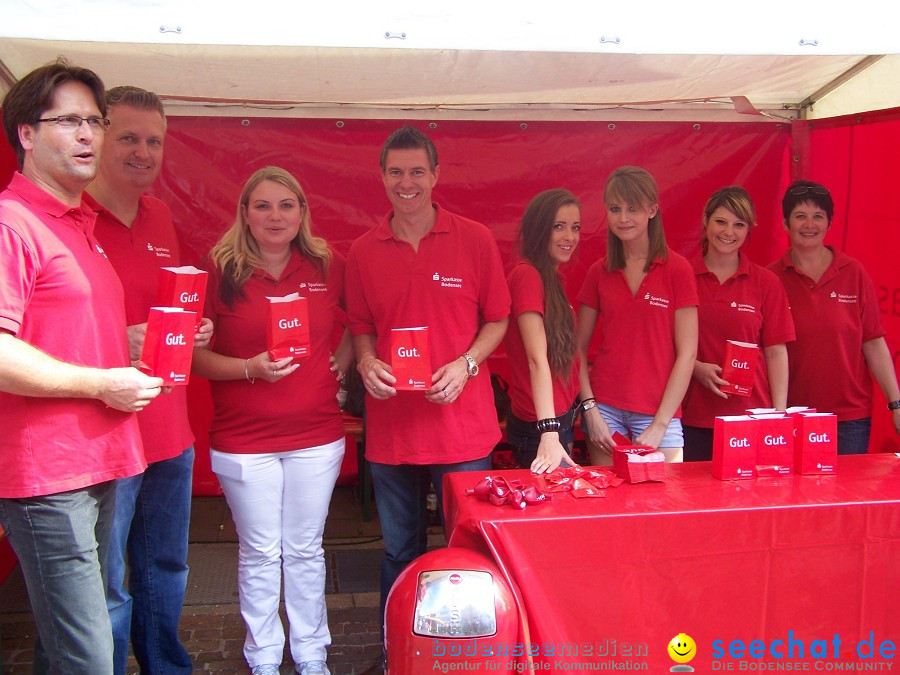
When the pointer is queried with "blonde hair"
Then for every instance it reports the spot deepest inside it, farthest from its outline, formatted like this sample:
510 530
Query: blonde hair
734 199
237 252
634 185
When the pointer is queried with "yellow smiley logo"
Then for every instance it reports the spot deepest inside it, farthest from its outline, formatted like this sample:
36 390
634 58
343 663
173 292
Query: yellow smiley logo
682 648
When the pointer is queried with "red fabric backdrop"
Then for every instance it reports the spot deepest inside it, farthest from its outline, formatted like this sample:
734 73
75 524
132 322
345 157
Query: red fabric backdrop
489 171
856 157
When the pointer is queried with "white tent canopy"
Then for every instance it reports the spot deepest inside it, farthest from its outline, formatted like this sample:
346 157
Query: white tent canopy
486 60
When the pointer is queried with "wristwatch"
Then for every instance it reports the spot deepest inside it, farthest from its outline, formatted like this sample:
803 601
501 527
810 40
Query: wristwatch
471 366
587 404
894 405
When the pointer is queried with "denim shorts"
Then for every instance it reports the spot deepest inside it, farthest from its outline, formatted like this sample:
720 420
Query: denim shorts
633 424
524 437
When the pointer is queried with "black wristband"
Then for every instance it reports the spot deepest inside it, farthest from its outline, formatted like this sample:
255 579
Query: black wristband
894 405
548 424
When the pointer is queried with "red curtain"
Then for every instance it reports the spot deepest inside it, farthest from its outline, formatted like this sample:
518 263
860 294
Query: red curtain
489 171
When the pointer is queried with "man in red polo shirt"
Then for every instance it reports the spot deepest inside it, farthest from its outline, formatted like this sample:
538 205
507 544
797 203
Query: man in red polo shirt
67 392
153 509
423 266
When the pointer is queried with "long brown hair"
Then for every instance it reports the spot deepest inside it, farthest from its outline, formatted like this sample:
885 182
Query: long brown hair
634 185
237 252
533 239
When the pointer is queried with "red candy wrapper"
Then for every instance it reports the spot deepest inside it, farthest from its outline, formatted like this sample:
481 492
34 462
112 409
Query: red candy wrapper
637 463
499 492
578 479
183 287
169 344
411 358
739 367
288 327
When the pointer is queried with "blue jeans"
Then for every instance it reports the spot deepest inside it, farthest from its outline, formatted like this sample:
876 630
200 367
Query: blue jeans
400 494
853 436
61 541
150 526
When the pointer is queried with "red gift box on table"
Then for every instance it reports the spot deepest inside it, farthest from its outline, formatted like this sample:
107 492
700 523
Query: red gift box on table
734 447
288 328
775 444
637 463
739 367
169 344
183 287
815 444
411 358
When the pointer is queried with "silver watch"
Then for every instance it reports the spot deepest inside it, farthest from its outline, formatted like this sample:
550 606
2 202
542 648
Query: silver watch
471 366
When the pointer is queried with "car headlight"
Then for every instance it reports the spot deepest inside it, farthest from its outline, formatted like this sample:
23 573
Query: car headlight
455 604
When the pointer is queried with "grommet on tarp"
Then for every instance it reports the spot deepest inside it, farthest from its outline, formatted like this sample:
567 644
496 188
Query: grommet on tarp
611 127
523 126
432 125
245 123
696 127
170 29
388 35
339 124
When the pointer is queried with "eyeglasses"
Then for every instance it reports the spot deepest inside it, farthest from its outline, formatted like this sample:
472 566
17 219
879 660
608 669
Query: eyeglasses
803 189
74 122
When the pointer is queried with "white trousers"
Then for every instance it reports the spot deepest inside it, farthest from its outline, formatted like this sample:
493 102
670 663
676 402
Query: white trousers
279 502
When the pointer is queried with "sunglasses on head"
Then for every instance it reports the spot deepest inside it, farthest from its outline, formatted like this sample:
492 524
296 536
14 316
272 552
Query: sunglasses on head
803 189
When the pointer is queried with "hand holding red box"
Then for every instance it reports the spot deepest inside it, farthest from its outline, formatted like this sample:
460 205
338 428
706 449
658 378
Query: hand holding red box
739 368
288 327
183 287
411 358
169 344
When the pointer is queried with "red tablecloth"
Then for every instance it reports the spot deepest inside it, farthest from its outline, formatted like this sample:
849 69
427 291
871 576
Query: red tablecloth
614 579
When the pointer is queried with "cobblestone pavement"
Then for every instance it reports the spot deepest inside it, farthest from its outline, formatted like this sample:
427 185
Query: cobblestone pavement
211 625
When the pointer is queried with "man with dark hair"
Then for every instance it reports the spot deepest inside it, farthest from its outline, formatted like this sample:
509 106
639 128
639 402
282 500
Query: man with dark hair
153 509
67 392
446 274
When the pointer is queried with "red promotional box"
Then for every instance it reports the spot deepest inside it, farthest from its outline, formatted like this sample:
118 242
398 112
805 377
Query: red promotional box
288 327
411 358
815 444
775 444
637 463
739 367
734 447
183 287
169 344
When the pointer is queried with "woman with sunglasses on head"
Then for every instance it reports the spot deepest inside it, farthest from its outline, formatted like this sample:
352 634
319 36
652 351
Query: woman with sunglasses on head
644 298
540 341
840 342
739 300
277 437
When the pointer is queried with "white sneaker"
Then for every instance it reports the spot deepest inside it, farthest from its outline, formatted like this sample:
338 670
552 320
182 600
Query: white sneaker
313 668
265 669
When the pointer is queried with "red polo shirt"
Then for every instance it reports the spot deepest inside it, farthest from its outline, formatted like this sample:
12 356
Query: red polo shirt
137 253
527 291
833 318
453 284
298 411
750 306
637 342
59 294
